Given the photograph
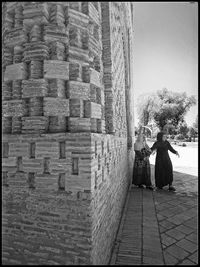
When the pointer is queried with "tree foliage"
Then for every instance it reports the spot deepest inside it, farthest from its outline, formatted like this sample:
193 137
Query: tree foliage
165 108
183 129
195 124
173 108
146 107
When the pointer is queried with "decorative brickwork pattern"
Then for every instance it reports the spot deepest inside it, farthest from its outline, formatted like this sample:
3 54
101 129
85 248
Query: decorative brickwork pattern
66 123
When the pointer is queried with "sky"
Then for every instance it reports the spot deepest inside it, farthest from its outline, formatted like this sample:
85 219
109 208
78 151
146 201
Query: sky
165 49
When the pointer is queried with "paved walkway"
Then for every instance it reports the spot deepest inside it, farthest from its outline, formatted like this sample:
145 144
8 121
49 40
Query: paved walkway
159 227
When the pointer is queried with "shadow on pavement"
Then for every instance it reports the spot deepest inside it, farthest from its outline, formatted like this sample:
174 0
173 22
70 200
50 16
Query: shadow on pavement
184 183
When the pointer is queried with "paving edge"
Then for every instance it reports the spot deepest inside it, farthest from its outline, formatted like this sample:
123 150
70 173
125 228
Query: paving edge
119 231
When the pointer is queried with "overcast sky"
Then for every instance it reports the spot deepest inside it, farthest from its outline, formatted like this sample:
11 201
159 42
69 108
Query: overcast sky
166 49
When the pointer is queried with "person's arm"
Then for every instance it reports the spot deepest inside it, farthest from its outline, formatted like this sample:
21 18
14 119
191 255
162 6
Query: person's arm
172 150
153 148
147 150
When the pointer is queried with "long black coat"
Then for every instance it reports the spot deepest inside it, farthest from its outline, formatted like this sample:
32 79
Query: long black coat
163 165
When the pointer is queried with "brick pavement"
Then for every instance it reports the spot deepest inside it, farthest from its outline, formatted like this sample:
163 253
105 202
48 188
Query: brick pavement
159 227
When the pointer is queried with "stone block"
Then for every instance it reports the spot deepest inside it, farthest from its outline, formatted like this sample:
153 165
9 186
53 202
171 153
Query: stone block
46 182
9 162
16 125
17 89
56 107
58 124
56 69
47 149
32 165
55 33
57 88
35 13
77 53
75 72
78 19
77 183
18 181
57 51
86 73
59 166
36 68
93 125
35 106
18 149
92 110
76 108
15 72
36 51
35 33
16 36
93 13
6 90
100 126
57 14
95 47
14 108
79 125
34 88
34 124
78 90
95 78
7 124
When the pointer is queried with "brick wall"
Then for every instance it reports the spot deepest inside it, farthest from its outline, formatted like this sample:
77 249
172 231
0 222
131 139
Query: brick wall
66 123
110 180
46 204
113 158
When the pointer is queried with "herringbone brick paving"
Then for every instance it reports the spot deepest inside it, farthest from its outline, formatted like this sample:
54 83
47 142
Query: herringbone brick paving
159 227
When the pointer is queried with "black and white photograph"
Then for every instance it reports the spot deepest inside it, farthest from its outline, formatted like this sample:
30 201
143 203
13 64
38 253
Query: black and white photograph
99 133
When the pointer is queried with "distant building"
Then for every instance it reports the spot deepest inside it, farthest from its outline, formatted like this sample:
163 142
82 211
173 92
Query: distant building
67 129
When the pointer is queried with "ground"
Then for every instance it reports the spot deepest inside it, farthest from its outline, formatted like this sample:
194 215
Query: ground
188 161
160 227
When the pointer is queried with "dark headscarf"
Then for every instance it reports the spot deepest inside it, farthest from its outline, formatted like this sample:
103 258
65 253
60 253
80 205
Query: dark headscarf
159 136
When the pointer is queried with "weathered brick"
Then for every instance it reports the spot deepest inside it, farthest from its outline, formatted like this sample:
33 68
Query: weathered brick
68 61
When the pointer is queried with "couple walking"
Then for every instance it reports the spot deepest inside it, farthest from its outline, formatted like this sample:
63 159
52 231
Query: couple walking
163 164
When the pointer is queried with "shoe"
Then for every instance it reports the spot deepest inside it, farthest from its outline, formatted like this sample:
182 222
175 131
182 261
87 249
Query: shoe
171 188
140 186
149 187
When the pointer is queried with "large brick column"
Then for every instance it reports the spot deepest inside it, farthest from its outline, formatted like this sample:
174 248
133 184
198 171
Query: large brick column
65 173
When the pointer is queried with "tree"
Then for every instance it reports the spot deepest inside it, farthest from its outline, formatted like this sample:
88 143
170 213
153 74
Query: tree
173 107
146 107
166 108
183 129
169 128
192 133
195 124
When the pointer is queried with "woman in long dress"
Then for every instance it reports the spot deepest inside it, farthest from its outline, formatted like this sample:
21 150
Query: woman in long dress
163 164
141 170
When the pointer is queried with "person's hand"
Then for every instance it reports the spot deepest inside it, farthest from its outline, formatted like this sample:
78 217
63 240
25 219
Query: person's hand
177 154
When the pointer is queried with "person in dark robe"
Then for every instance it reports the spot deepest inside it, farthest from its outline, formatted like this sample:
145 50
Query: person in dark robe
141 170
163 164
